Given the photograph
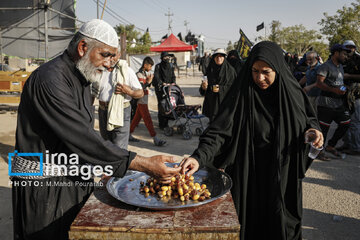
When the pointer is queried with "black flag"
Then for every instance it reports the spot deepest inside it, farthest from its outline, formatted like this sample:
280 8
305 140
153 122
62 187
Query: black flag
244 45
180 36
259 27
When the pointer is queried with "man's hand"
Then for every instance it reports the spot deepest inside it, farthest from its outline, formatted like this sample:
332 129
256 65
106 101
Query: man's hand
306 89
189 166
155 167
123 89
339 92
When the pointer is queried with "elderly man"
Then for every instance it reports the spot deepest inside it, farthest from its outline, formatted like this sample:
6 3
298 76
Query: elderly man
117 87
55 119
312 60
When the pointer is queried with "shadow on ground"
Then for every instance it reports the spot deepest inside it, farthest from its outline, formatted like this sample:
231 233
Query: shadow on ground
339 180
4 150
323 226
6 222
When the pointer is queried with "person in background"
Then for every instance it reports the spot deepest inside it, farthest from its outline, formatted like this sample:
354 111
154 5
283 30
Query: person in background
117 87
54 118
258 137
204 63
331 107
310 78
300 68
142 111
220 77
289 60
164 75
234 59
351 139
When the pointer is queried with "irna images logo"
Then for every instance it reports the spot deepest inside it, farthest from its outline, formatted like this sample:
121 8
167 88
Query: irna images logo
56 164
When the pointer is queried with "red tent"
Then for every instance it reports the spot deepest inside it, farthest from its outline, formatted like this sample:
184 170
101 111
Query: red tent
172 44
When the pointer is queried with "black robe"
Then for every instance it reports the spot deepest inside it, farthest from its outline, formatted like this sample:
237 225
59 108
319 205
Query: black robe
224 76
236 62
258 137
163 73
55 114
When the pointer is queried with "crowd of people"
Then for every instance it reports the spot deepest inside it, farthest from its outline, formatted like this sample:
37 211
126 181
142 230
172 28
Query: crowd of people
260 121
333 89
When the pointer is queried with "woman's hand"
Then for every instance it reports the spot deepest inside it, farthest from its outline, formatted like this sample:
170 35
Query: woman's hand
189 166
204 85
315 136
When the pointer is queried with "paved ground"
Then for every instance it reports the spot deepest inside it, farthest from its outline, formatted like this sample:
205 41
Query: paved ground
331 189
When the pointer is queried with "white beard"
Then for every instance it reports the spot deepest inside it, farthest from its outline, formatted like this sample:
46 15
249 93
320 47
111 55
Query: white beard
88 70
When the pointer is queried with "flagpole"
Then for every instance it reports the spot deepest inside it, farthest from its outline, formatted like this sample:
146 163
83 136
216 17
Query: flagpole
265 30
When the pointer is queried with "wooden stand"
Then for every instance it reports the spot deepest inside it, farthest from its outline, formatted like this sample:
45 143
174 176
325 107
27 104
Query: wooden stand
104 217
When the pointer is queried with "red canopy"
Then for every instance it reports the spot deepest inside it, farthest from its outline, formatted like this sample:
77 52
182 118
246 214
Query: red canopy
172 44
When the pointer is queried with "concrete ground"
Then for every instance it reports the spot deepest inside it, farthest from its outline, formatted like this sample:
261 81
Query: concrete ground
331 190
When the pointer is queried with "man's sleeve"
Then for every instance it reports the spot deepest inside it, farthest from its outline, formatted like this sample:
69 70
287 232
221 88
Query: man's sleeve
56 104
323 70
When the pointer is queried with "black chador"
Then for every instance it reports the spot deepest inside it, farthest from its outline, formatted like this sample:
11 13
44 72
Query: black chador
258 137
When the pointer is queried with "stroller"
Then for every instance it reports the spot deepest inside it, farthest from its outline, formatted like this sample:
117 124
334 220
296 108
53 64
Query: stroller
182 116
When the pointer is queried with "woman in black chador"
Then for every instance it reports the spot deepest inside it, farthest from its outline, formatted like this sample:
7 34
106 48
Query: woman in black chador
164 75
220 76
258 136
235 60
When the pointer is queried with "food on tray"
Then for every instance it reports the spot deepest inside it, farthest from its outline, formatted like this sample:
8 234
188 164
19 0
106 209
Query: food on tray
181 187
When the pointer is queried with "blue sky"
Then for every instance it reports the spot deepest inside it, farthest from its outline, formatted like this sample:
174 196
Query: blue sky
218 21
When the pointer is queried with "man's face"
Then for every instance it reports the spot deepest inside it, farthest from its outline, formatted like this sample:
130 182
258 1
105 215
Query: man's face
103 57
311 60
342 56
95 61
352 49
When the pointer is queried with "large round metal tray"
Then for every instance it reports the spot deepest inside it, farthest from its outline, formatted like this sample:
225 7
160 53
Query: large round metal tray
127 189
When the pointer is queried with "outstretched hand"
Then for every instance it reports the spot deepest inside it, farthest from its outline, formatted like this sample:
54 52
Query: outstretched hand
189 166
155 167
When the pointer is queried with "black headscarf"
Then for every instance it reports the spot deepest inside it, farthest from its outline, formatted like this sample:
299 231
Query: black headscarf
222 75
163 73
234 138
166 71
236 62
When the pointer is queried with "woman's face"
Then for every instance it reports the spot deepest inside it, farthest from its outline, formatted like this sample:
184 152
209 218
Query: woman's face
219 59
263 75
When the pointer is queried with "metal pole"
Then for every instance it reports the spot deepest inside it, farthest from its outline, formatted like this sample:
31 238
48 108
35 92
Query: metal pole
46 31
265 31
97 9
169 21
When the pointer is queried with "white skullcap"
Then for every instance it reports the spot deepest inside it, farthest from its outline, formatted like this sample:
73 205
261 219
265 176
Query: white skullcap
101 31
